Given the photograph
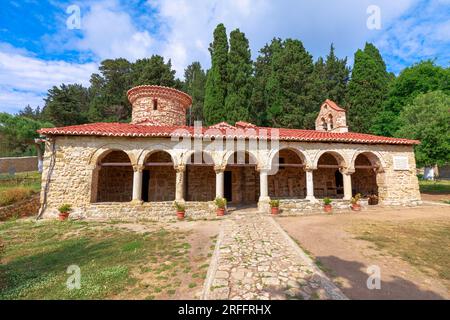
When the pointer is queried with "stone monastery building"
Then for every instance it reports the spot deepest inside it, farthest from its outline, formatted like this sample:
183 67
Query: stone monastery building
138 169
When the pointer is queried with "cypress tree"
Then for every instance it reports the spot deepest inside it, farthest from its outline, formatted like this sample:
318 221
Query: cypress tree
239 71
216 81
367 89
194 85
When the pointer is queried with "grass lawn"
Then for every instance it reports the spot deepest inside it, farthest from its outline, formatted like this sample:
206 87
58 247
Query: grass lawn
437 186
423 244
114 262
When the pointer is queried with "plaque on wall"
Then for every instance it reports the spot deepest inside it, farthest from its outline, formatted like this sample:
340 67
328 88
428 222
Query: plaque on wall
401 163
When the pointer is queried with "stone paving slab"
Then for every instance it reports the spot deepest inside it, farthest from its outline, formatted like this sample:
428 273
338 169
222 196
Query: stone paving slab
254 258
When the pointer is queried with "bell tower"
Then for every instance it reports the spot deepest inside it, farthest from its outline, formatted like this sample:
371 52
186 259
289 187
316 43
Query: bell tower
158 106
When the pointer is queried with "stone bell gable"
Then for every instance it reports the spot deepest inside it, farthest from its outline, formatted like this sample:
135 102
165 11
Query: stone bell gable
331 118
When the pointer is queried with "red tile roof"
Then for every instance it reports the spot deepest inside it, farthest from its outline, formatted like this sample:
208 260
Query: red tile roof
333 105
222 130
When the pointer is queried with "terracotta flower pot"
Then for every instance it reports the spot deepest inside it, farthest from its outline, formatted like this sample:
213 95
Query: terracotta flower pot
180 215
63 216
220 211
327 208
356 207
275 210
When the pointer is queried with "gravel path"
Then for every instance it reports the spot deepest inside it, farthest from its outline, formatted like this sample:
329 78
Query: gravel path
255 259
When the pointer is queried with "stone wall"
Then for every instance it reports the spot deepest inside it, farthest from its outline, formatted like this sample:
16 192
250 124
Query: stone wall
72 177
18 164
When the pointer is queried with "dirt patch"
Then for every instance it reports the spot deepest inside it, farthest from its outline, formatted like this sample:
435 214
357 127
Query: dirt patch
345 258
435 197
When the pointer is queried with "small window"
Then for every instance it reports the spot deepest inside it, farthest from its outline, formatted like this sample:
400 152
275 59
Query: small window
155 104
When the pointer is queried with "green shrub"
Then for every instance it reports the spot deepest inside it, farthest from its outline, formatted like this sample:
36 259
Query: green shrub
14 195
356 198
326 201
221 203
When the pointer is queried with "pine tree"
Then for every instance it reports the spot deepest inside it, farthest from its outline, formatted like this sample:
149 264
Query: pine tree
217 79
194 85
152 71
367 88
239 72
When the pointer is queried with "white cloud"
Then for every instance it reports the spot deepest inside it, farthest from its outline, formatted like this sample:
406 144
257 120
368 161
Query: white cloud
25 79
109 32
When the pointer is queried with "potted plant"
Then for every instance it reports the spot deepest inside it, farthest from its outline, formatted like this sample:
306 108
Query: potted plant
373 199
64 211
274 206
181 210
327 205
221 204
355 202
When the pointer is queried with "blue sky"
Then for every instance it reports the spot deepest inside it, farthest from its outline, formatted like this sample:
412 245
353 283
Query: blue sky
38 50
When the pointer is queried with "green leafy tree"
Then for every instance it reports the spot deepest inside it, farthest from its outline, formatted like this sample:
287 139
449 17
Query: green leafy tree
217 79
17 134
31 113
194 85
152 71
287 87
427 118
367 89
412 81
262 71
66 105
239 71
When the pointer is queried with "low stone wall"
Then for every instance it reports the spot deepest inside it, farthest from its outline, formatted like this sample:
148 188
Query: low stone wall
20 164
27 207
303 206
155 211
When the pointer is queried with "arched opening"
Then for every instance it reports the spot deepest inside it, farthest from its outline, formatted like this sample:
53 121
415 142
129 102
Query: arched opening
158 178
324 124
330 122
364 179
241 181
113 179
200 178
289 181
328 180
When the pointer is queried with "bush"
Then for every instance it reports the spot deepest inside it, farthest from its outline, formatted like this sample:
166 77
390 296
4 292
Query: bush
326 201
356 198
14 195
221 203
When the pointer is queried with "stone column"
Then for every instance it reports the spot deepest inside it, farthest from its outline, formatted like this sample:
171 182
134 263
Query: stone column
310 185
179 183
219 180
137 183
347 179
264 199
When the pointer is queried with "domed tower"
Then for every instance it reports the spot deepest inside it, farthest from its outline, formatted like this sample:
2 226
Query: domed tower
158 106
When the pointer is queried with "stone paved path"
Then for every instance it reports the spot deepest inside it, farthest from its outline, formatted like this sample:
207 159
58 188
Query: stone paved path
255 259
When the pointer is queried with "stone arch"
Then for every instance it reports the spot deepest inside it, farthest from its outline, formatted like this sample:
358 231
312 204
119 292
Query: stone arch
186 157
253 159
112 178
200 177
299 152
102 151
342 162
287 177
158 176
374 157
143 154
